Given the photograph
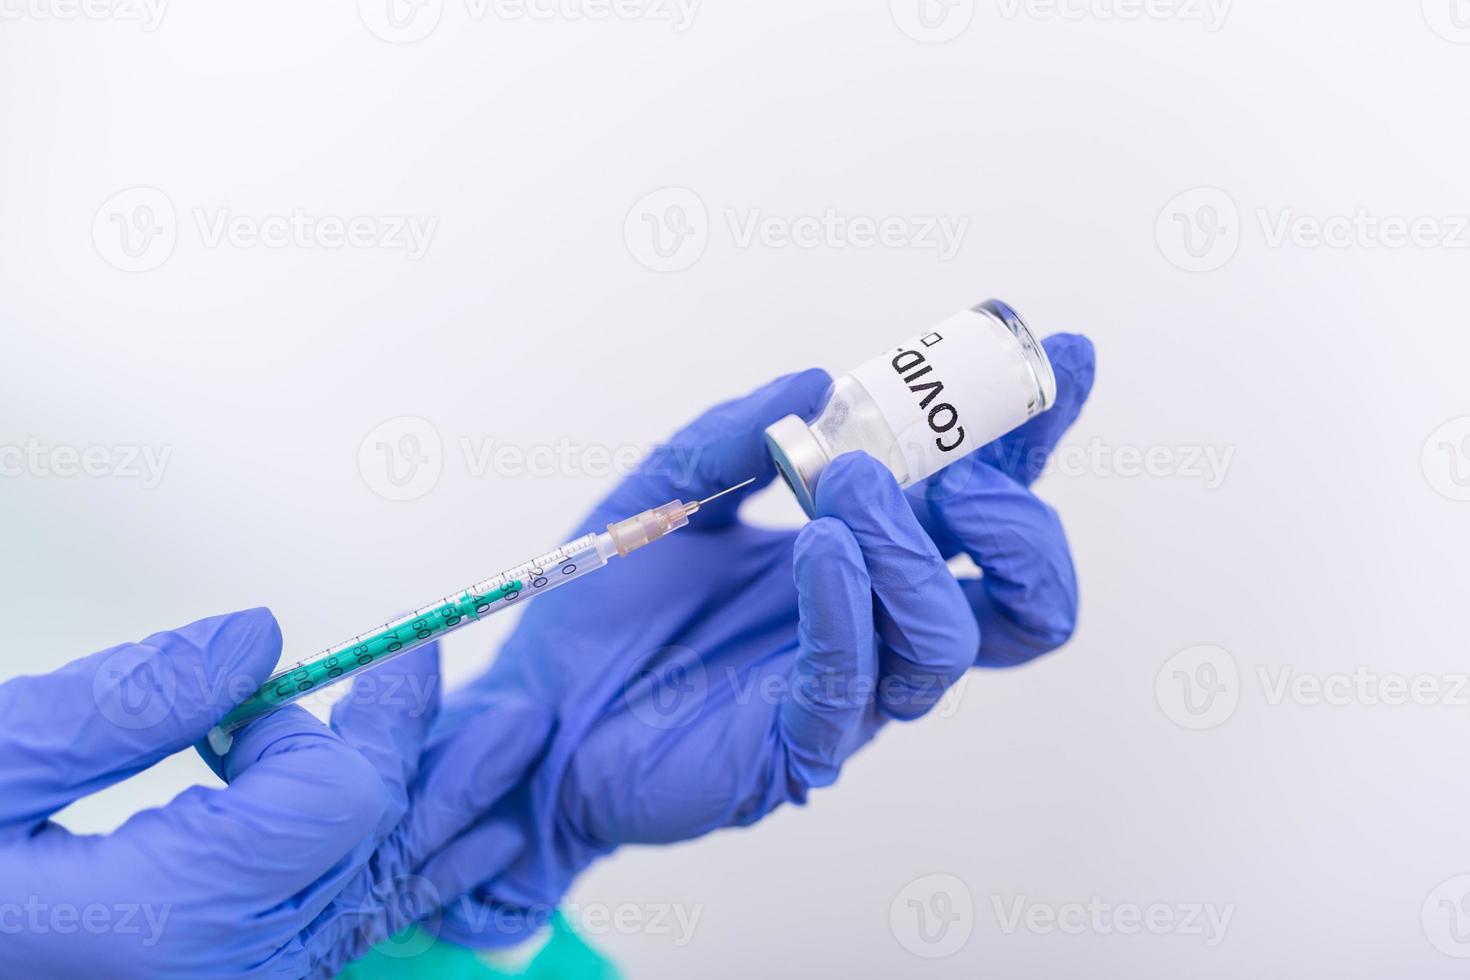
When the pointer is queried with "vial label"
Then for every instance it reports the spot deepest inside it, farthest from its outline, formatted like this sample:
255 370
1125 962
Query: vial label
947 392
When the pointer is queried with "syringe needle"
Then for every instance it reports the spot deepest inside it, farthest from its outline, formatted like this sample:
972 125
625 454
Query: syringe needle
738 486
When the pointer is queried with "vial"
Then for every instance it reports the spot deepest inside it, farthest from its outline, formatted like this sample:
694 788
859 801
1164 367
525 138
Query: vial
925 404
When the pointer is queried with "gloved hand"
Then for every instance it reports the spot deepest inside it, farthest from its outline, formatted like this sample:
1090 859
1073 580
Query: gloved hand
290 871
730 669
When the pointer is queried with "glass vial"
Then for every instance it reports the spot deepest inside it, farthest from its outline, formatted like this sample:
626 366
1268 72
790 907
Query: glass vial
932 400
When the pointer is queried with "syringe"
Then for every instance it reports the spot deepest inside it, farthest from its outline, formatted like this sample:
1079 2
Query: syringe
396 637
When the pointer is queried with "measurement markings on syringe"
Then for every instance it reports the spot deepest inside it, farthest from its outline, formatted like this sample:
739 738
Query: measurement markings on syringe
475 603
409 632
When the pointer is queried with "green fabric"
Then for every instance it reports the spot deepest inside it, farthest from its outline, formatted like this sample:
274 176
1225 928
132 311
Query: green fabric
414 954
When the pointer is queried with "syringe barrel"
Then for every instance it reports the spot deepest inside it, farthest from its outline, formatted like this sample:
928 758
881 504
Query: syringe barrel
406 633
399 636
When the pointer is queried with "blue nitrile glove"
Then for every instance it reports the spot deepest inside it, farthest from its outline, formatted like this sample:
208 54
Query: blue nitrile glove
288 872
729 669
421 864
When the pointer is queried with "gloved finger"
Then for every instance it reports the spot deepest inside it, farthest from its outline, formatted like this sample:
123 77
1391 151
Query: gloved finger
723 447
928 633
394 899
478 915
364 917
1026 603
461 781
386 717
835 674
104 717
477 856
465 774
293 825
1023 454
478 920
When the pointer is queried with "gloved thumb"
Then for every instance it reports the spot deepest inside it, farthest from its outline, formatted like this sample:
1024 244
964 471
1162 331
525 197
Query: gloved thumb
104 717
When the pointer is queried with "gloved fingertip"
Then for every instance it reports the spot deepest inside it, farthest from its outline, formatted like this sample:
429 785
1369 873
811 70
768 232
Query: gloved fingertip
981 497
834 592
334 776
232 646
832 581
856 480
1051 625
912 701
195 674
829 542
807 389
746 417
263 737
1074 361
861 492
978 476
472 859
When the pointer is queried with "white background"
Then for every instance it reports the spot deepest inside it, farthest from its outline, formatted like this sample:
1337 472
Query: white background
1333 543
